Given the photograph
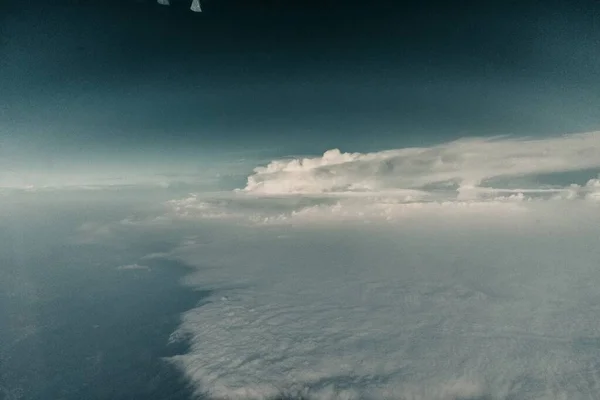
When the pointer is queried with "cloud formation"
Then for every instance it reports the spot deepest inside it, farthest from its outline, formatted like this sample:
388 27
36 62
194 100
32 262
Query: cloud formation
459 167
485 177
458 271
441 308
134 267
468 279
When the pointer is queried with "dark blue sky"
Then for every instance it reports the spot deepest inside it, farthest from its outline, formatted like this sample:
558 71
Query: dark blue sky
116 78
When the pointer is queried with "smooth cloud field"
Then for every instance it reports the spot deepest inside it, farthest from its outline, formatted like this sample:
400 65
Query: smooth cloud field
375 276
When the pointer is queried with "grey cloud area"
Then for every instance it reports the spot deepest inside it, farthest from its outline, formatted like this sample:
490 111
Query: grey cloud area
445 305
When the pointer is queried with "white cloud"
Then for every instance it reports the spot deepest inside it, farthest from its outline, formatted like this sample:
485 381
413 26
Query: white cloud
391 283
592 189
464 163
153 256
435 308
134 267
449 179
403 274
406 274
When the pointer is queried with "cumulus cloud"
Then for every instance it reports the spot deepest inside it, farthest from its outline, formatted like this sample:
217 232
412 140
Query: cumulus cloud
460 166
592 189
485 177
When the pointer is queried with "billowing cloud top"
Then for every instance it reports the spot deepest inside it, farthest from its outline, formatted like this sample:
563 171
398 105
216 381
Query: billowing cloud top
485 177
460 167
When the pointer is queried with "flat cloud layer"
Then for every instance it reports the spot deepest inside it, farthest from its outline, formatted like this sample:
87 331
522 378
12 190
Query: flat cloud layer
399 312
375 276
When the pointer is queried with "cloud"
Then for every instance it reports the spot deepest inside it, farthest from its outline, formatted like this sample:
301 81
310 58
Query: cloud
102 177
196 7
487 178
397 291
454 305
439 273
153 256
592 190
134 267
457 167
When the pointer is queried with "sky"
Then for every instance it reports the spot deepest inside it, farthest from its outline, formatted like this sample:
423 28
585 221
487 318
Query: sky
96 84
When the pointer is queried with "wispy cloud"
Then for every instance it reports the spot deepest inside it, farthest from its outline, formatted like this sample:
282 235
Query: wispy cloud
134 267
